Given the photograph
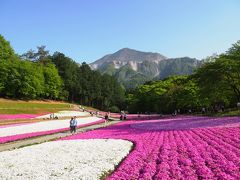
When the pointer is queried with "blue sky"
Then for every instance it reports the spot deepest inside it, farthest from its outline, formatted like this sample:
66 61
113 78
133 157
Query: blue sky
86 30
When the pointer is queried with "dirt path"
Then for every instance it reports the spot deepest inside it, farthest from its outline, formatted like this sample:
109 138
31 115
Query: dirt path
51 137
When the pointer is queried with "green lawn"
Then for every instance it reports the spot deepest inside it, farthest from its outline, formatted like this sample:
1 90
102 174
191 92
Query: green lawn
229 113
31 107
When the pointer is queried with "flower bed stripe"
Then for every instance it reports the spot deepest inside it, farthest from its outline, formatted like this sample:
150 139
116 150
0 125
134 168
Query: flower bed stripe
34 134
17 116
61 114
14 124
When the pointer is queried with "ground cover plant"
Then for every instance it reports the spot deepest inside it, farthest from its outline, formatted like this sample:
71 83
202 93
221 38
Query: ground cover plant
188 152
18 131
18 119
4 117
72 159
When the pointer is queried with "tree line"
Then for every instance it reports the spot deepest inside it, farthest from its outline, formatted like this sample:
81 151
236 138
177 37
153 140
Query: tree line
213 86
39 75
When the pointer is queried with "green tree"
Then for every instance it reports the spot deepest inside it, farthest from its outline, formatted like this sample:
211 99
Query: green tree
6 51
68 71
52 82
22 79
40 55
219 81
164 96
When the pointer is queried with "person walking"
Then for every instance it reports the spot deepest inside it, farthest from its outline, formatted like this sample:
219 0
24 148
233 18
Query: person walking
125 116
121 117
106 118
138 115
71 125
74 124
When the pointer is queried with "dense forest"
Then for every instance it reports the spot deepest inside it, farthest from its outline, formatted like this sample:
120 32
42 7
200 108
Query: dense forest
214 86
39 75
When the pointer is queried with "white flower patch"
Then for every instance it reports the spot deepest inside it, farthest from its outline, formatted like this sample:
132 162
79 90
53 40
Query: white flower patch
70 159
64 114
43 126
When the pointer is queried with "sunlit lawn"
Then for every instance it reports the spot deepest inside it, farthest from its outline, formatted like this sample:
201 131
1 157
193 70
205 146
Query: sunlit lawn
30 107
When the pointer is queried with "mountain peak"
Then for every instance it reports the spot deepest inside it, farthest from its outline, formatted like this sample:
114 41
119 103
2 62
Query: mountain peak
127 55
132 67
125 49
133 52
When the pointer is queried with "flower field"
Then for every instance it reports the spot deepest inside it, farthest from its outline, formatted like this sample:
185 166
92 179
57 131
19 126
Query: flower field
14 124
199 148
7 120
17 116
17 132
182 147
64 159
64 114
187 122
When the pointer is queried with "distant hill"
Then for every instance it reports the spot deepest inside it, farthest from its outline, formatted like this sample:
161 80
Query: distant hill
132 67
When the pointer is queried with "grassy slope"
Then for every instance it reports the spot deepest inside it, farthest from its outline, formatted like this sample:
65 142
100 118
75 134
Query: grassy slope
31 107
229 113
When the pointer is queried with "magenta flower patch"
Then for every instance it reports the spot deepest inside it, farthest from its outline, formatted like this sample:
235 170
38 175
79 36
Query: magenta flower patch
17 116
202 148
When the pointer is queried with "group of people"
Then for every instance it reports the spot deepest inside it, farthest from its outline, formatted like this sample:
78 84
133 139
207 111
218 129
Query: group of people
96 113
123 116
177 111
82 108
52 116
73 124
73 121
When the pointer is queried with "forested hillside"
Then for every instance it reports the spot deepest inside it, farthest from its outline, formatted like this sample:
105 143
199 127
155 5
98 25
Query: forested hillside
214 86
40 75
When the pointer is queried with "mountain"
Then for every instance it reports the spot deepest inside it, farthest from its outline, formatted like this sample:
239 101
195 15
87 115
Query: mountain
132 67
127 56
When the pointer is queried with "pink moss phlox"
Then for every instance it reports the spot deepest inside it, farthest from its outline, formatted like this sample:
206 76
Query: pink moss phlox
17 116
191 153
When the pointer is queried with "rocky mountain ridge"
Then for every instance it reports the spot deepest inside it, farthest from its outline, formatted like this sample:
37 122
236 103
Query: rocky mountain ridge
132 67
